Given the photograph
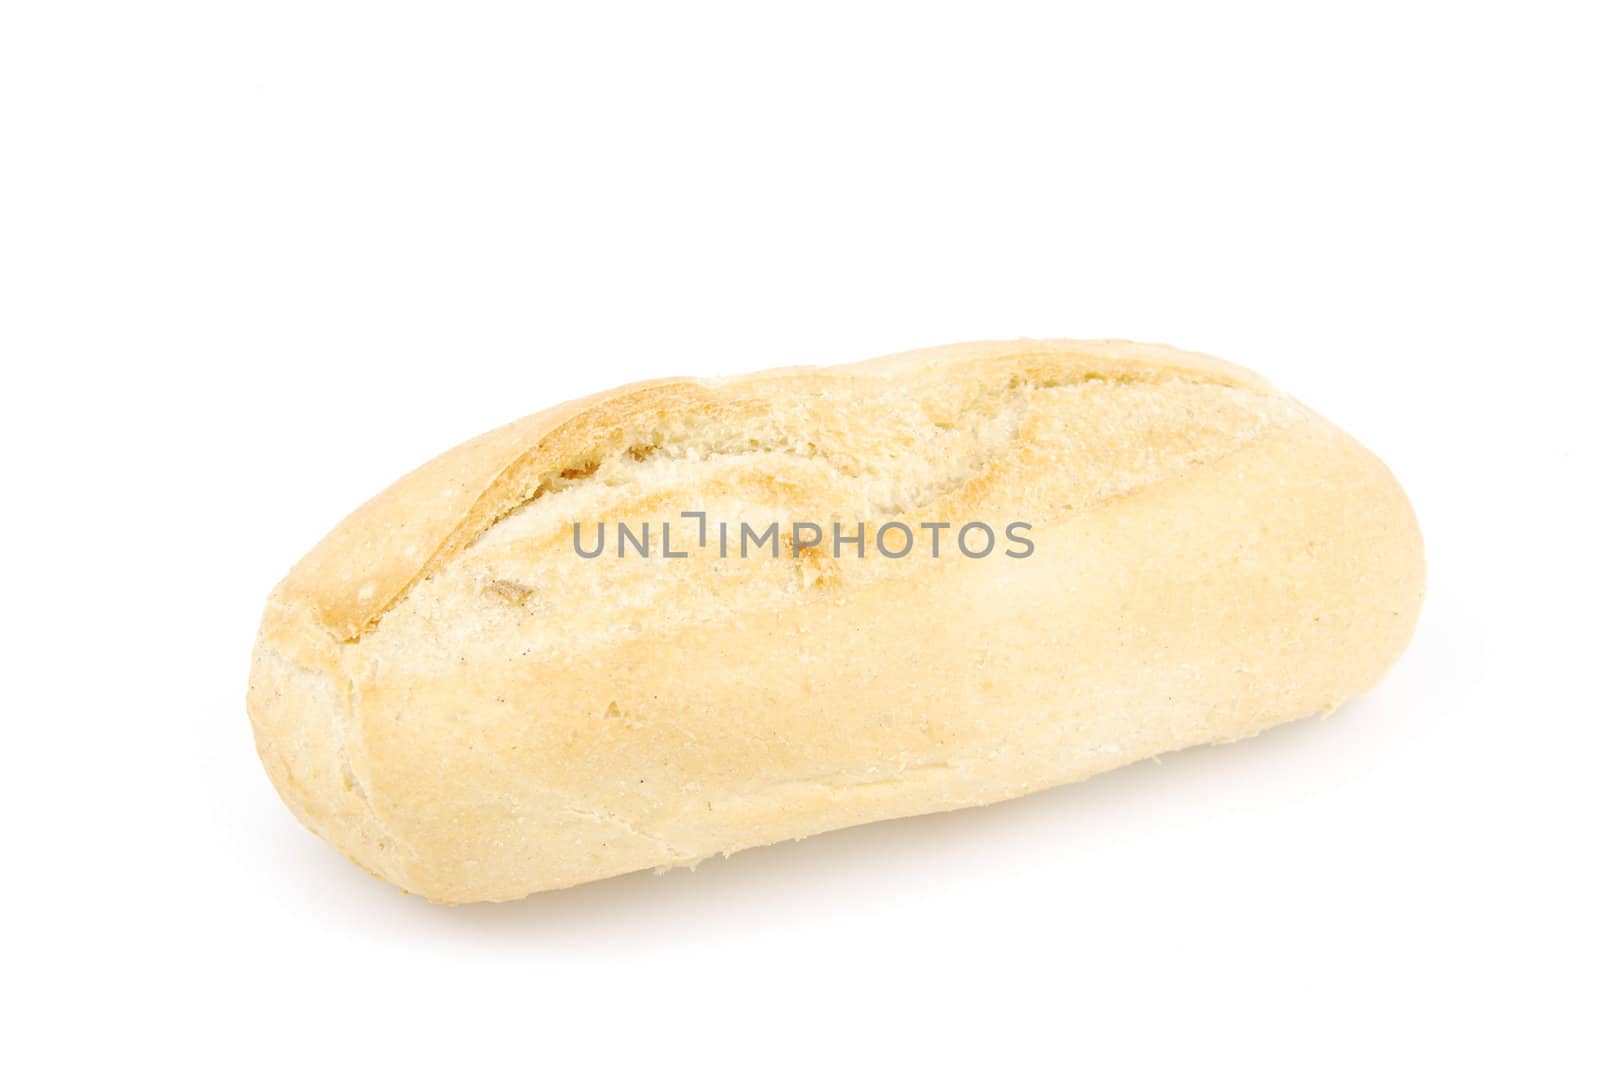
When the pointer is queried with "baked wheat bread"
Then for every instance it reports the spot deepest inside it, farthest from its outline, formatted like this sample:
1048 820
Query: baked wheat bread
451 694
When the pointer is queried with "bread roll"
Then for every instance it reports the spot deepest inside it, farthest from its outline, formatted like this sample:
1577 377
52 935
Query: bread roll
454 694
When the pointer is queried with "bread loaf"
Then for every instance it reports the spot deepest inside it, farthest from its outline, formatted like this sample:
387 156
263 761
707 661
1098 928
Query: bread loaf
687 617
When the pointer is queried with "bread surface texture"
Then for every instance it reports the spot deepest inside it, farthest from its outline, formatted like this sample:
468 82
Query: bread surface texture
452 695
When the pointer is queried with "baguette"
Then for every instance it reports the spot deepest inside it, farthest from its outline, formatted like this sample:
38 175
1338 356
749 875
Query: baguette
465 697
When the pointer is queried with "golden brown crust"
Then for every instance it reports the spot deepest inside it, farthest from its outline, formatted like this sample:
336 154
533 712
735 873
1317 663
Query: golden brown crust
444 692
415 525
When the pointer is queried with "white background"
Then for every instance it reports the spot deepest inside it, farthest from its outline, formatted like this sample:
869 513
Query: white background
257 260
